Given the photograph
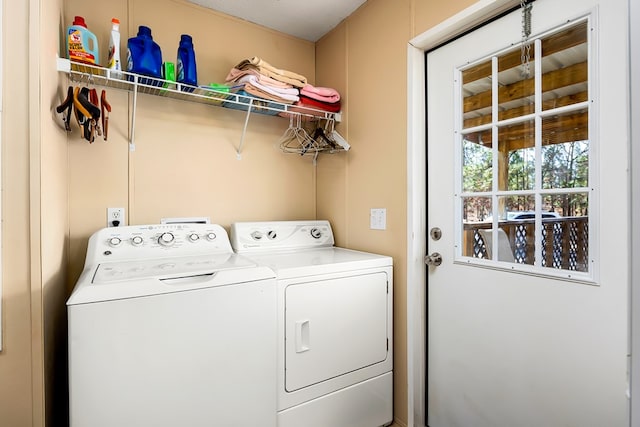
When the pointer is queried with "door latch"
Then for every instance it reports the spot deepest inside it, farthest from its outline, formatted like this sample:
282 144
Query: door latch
433 260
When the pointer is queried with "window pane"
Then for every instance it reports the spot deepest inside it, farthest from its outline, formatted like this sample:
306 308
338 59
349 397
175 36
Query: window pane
516 156
565 154
516 88
565 67
476 94
518 221
565 233
476 165
476 215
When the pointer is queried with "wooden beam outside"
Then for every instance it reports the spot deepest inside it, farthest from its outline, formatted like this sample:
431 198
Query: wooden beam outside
555 130
573 74
527 109
558 42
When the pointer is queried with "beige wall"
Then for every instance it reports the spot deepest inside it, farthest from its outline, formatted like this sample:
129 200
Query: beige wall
373 41
184 163
56 188
16 401
366 58
52 225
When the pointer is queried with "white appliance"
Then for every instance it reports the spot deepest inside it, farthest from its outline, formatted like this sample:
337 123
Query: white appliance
334 324
168 327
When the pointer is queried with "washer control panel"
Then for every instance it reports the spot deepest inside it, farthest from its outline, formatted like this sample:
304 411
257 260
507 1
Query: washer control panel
280 235
158 240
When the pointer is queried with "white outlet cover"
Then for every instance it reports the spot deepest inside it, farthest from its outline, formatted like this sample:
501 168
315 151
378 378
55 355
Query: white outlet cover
378 219
115 214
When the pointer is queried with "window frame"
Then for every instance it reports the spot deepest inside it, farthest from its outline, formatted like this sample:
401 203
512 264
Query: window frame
591 275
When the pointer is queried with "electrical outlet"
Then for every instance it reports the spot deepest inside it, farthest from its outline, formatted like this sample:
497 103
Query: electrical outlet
115 217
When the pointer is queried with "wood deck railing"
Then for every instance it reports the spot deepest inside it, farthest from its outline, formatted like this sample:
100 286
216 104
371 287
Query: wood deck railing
565 241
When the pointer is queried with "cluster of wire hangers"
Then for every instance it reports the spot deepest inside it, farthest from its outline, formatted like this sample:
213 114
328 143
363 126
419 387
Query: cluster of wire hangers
311 137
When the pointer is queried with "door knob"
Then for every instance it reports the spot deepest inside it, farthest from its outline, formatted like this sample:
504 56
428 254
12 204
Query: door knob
433 260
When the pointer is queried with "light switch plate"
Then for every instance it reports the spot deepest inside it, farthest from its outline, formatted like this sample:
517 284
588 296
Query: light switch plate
378 219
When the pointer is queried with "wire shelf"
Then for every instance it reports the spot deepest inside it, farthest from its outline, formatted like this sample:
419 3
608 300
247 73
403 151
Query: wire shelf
137 84
91 74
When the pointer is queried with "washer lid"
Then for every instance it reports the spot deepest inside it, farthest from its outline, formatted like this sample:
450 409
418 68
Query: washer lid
144 278
167 268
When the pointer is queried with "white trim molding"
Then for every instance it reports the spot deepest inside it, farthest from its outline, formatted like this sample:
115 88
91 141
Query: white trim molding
634 108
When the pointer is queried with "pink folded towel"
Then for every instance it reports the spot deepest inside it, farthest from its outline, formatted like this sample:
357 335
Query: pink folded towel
323 94
287 94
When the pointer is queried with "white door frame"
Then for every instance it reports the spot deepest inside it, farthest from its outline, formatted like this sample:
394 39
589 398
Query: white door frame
634 73
479 12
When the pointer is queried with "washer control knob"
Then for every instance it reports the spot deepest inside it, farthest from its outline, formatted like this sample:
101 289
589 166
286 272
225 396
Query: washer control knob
257 235
271 234
194 237
316 233
211 236
115 242
137 240
166 239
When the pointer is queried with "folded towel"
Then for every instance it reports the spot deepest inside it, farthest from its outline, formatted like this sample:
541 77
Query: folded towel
259 93
269 70
318 105
236 74
289 94
324 94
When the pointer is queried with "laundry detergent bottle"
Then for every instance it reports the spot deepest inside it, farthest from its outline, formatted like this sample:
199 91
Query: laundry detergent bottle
144 55
113 61
82 44
187 73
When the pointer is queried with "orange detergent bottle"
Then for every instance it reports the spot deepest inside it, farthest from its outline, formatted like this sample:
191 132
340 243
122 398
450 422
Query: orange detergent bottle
82 44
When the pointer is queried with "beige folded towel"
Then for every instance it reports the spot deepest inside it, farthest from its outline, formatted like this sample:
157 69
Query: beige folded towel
269 70
235 75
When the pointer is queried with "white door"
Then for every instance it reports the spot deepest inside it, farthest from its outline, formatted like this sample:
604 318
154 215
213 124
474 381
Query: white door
534 333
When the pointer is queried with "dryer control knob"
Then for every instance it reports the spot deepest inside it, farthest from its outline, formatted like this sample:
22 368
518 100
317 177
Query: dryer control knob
194 237
166 239
137 240
316 233
211 236
257 235
115 241
271 234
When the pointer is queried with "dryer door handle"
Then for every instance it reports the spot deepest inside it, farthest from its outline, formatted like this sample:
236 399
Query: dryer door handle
302 336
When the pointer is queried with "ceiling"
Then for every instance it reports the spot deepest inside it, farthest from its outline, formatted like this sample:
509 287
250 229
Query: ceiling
305 19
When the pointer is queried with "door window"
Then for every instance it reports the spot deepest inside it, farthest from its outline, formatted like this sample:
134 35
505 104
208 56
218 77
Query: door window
525 156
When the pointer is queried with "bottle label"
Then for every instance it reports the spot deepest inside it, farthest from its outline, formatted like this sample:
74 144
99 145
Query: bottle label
77 51
113 63
129 60
180 70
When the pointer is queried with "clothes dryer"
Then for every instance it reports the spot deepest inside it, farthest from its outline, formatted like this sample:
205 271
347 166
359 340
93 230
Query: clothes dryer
335 324
168 327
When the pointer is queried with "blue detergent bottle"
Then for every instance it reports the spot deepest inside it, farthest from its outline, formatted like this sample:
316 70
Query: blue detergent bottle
187 73
144 56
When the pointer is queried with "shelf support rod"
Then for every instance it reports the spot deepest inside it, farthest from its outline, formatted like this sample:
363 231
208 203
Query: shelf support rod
244 130
132 139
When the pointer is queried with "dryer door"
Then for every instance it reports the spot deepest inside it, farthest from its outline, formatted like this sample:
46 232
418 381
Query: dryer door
334 327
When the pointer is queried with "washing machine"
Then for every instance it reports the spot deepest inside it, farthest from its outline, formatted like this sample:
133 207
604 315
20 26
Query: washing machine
169 327
335 358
